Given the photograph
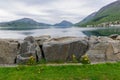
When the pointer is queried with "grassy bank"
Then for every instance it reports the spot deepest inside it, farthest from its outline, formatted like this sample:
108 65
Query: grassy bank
108 71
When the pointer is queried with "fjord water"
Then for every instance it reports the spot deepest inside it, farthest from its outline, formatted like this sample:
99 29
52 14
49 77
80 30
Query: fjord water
53 32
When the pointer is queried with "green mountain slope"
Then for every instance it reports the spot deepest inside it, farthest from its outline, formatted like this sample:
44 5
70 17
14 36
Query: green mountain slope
24 22
87 19
108 13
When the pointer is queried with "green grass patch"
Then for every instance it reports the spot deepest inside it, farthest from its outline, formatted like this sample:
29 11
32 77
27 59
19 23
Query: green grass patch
108 71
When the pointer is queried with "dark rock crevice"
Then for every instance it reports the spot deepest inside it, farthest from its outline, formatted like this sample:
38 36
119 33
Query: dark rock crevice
18 46
37 58
42 52
15 60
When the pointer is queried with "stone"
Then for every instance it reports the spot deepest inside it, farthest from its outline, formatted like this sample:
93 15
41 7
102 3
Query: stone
93 40
97 52
113 52
62 49
29 39
114 36
98 49
23 59
42 39
8 52
104 39
104 51
96 55
28 48
118 38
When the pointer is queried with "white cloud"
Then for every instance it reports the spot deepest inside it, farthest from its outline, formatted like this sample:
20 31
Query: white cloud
6 16
50 11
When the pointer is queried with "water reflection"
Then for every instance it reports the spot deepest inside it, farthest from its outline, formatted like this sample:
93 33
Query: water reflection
54 32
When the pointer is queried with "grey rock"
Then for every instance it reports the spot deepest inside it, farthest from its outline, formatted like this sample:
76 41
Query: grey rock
93 40
8 52
29 39
104 39
104 51
62 49
42 39
114 36
28 48
118 38
113 51
97 52
22 60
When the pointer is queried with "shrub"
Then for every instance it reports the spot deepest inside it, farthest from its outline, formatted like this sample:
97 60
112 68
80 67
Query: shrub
31 61
85 59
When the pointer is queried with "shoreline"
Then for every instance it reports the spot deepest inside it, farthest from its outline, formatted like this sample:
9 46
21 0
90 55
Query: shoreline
60 49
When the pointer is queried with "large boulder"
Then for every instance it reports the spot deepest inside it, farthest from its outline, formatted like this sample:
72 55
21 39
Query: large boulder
113 51
8 51
97 52
28 48
104 51
62 49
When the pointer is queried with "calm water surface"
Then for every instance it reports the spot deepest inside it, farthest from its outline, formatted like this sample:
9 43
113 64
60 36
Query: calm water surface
53 32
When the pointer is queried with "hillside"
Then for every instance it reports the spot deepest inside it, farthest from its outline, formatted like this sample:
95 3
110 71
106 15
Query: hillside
24 22
87 19
30 23
109 13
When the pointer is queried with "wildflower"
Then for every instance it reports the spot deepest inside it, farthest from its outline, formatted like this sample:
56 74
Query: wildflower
85 59
74 58
31 60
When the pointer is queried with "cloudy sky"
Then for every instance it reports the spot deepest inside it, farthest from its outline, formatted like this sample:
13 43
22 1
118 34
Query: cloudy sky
49 11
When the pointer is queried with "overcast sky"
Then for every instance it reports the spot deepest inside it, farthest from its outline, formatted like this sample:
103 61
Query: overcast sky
49 11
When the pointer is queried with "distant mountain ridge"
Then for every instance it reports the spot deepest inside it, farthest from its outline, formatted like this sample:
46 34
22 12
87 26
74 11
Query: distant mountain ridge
64 23
24 22
27 22
110 12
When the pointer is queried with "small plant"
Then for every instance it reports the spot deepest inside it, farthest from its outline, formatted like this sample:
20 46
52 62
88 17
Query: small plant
31 61
20 67
85 59
74 59
42 61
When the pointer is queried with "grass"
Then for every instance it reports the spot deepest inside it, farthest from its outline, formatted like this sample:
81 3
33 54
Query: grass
108 71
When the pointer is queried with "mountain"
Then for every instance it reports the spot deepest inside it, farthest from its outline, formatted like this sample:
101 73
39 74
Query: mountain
108 13
24 22
87 19
64 24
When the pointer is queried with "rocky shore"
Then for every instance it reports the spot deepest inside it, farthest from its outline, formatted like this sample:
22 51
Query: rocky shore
98 49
